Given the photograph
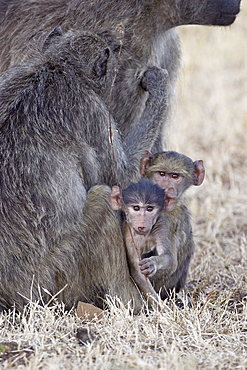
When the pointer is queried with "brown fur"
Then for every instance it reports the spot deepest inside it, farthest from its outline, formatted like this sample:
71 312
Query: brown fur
144 229
178 172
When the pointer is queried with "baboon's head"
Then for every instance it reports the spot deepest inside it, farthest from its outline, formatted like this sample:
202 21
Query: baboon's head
205 12
87 53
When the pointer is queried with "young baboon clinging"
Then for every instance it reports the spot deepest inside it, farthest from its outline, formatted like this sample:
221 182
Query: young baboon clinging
54 146
150 38
145 230
172 170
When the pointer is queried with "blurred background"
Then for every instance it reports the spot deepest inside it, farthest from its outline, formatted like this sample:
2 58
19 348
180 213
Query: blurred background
209 122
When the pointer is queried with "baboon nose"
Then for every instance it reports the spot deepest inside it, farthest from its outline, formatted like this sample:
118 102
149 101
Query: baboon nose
141 228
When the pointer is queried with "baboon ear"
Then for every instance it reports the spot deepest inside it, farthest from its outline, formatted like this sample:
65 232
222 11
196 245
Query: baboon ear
100 66
144 162
199 172
171 199
56 32
116 198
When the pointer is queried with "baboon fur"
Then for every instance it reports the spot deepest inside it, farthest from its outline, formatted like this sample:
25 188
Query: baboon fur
178 220
150 38
52 252
54 147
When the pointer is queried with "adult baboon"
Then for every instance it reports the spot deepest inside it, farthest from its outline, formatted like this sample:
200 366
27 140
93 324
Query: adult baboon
150 37
54 146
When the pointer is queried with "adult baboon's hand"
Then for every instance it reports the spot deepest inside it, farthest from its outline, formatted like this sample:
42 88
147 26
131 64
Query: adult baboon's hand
154 80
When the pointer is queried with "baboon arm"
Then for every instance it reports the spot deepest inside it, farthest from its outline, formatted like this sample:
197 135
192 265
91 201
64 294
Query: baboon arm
147 129
161 256
167 256
150 266
142 282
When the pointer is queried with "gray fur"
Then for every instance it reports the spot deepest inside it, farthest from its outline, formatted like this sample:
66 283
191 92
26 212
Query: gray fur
54 147
150 38
144 191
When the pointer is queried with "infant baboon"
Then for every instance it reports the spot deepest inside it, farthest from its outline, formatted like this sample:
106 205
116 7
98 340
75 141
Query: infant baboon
54 146
144 230
172 170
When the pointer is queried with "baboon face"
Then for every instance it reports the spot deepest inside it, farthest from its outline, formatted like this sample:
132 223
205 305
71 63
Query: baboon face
168 180
222 12
207 12
172 170
142 217
142 202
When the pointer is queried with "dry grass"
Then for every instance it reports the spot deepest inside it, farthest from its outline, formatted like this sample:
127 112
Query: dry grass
210 123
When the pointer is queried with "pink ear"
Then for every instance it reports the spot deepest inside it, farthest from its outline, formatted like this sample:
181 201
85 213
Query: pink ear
144 162
199 172
116 198
171 199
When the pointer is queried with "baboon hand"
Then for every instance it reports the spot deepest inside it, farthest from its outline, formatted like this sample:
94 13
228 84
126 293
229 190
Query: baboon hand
154 80
147 267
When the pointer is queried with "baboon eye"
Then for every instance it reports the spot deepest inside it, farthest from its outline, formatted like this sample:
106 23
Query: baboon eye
150 208
162 173
175 175
136 208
